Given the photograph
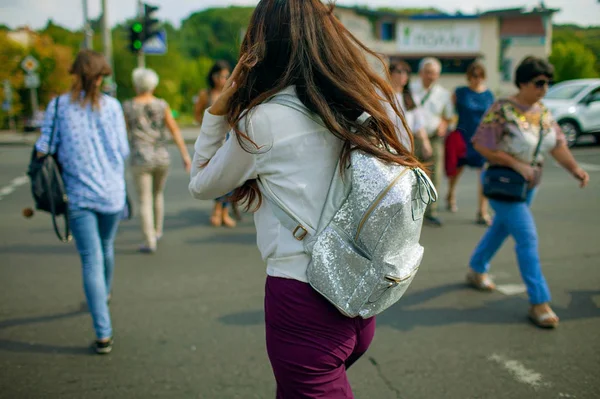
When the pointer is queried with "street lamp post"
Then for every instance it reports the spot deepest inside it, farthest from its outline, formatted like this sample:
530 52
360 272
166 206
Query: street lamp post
107 44
141 60
87 28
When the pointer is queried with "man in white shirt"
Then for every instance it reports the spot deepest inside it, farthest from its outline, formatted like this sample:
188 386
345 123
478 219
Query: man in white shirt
437 109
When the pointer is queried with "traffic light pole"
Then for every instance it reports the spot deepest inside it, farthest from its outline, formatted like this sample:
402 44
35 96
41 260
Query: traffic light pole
107 43
88 34
141 60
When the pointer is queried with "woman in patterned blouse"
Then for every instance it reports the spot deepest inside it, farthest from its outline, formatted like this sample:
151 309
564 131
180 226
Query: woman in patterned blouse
508 136
91 144
148 119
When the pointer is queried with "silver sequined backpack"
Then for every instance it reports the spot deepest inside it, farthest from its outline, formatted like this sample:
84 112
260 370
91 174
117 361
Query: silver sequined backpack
365 251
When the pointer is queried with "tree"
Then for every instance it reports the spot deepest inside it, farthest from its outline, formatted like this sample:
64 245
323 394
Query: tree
10 58
215 32
572 60
589 37
54 64
63 36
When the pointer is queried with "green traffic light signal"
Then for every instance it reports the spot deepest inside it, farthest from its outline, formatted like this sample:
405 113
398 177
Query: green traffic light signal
137 44
137 27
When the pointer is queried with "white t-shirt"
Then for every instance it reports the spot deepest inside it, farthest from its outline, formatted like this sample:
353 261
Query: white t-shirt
436 104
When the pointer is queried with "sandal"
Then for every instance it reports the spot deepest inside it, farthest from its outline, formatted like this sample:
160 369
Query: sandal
480 282
228 221
546 320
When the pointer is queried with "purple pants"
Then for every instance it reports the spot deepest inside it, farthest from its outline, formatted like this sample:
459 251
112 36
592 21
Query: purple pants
310 343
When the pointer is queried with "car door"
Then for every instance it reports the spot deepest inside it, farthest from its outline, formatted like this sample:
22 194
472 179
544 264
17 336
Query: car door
590 112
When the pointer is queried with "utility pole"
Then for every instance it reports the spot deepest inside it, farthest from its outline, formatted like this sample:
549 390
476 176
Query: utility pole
107 44
141 60
87 28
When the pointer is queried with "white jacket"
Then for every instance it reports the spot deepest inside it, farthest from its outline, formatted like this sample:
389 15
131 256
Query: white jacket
297 158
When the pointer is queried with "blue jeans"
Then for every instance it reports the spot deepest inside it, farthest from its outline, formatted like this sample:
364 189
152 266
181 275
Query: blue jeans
515 219
94 235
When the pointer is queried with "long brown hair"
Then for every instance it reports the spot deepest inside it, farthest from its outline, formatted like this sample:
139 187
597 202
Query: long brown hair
301 43
409 101
87 68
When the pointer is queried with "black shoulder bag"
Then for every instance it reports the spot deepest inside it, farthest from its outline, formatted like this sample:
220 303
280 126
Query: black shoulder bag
47 186
506 184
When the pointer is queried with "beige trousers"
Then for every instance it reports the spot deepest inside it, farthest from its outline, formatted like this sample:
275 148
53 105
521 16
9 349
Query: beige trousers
150 185
436 165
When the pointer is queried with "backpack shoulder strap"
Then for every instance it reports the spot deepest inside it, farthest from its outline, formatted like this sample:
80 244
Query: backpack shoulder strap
291 221
54 125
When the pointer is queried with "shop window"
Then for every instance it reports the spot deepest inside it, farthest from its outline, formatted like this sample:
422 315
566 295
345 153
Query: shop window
388 31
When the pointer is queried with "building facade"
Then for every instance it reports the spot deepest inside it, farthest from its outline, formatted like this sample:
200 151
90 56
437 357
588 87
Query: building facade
499 39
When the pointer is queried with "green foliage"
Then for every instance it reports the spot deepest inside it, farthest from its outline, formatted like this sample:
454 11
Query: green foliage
215 33
589 37
573 60
61 35
54 63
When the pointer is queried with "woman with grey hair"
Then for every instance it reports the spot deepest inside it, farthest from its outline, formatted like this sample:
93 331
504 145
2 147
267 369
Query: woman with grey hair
148 119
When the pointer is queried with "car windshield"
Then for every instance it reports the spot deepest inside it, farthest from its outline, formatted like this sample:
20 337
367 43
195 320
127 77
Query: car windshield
565 92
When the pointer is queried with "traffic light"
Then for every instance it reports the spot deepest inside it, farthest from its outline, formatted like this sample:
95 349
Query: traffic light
151 24
136 37
143 29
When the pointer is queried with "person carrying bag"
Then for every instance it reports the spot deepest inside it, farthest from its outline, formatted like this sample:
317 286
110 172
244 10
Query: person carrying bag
514 136
92 148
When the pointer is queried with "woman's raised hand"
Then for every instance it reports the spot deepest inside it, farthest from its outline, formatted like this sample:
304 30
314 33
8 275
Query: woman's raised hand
221 106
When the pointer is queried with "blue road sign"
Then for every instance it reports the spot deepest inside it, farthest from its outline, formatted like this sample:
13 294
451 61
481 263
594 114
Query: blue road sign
157 45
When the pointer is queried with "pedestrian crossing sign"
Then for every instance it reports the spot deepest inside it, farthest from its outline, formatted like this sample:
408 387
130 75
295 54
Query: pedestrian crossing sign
156 45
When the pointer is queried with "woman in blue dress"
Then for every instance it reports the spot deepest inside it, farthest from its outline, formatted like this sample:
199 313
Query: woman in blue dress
471 102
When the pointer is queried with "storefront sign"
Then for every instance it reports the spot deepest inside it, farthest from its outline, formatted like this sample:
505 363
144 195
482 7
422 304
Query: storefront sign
439 37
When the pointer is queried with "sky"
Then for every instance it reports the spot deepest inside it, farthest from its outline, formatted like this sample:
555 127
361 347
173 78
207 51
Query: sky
69 13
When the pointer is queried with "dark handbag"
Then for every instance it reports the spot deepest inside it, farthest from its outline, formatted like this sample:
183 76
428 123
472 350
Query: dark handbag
47 186
502 183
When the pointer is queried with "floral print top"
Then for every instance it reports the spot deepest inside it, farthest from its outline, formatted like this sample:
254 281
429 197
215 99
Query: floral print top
148 137
91 146
515 129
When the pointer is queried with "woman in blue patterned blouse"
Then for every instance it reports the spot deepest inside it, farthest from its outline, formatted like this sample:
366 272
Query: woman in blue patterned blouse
91 144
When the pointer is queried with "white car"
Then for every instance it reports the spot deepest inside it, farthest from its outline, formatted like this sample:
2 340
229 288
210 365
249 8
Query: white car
575 104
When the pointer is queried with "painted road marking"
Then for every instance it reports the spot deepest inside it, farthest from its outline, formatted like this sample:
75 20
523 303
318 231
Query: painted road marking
10 188
511 289
519 371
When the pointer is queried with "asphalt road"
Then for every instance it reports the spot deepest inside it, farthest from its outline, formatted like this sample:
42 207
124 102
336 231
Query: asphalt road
188 320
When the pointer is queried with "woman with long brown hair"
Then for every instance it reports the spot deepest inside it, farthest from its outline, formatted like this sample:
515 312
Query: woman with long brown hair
91 143
298 50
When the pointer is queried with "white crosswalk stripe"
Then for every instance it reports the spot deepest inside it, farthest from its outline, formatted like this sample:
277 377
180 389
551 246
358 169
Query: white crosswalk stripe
12 186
